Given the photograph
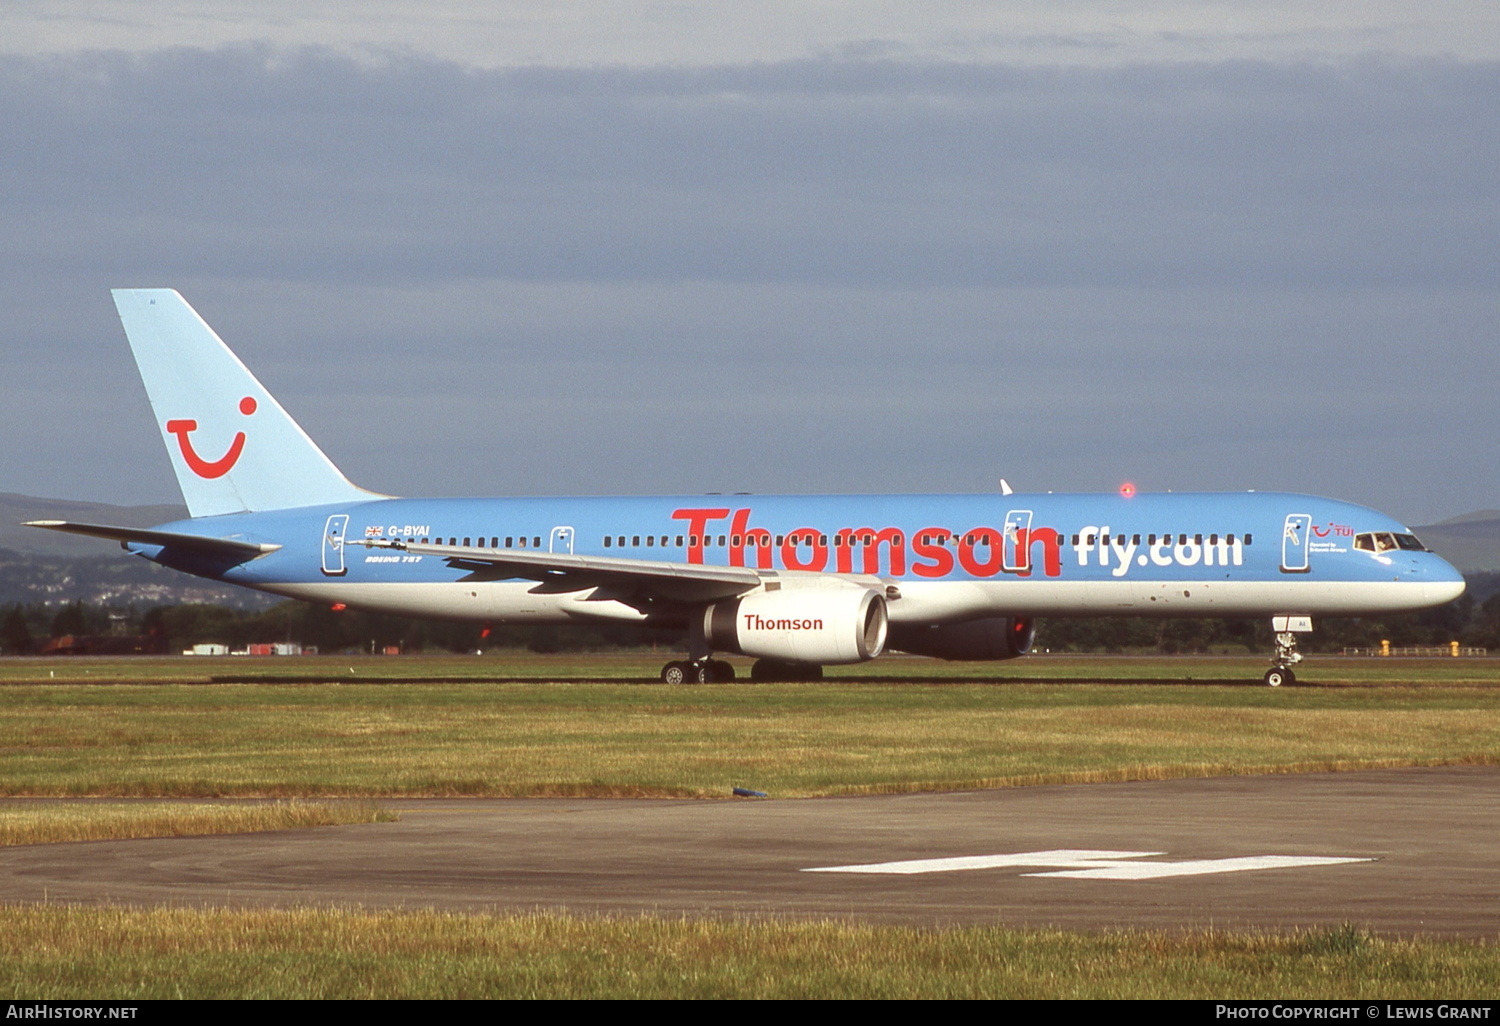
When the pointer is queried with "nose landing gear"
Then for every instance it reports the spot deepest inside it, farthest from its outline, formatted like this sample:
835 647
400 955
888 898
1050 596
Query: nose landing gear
1286 656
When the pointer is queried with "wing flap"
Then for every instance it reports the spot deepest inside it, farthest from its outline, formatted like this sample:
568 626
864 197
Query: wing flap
564 571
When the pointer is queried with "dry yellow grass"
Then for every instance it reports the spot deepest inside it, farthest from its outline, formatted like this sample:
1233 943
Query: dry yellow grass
47 822
140 954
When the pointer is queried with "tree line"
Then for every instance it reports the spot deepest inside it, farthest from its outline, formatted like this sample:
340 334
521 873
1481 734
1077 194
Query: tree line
1472 620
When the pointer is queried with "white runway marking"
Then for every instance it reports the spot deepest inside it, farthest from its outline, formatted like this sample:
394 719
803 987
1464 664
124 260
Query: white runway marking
1092 864
1060 857
1196 867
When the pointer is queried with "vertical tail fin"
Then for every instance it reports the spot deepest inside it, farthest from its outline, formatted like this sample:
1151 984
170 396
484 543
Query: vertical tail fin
232 445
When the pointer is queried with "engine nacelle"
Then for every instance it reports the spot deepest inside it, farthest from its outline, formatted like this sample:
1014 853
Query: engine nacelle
991 638
801 625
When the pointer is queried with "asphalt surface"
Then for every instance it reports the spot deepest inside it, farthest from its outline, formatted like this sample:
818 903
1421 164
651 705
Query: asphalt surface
1430 838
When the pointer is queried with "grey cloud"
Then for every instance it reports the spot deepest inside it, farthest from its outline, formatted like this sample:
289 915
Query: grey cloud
812 275
810 171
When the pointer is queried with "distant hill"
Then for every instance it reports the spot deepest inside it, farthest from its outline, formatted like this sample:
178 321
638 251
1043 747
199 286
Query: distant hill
45 566
1470 542
17 509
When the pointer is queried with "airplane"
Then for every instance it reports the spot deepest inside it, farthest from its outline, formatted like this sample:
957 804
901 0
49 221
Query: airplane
798 582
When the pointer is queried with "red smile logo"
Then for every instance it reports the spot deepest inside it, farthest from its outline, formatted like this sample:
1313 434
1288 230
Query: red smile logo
199 465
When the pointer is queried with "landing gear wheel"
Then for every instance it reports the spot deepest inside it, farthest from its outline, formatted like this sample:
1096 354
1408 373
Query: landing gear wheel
702 672
723 671
675 673
1277 676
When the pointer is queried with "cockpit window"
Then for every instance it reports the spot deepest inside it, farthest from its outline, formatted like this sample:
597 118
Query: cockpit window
1385 541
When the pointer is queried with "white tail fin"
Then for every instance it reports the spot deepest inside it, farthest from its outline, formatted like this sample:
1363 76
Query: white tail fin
232 445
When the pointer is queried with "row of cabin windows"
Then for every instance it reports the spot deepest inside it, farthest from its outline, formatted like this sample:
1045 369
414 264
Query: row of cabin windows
511 541
611 541
926 539
1166 539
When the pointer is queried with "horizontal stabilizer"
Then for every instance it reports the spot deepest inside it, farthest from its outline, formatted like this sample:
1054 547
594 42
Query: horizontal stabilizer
240 550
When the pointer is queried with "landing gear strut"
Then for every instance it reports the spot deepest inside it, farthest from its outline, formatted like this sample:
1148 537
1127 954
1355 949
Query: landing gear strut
1287 628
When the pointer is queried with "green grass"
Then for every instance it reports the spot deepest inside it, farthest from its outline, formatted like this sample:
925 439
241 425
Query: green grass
505 666
48 822
125 954
126 736
592 725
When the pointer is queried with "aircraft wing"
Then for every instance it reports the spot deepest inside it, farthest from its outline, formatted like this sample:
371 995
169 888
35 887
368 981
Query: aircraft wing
562 571
229 547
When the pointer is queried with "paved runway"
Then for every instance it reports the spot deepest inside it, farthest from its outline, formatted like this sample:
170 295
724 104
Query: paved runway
1430 838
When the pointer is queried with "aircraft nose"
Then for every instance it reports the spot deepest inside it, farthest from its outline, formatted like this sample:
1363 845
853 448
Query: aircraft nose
1444 583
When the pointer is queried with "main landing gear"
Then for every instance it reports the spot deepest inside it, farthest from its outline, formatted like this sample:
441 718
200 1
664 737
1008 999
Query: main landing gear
698 671
1287 628
717 671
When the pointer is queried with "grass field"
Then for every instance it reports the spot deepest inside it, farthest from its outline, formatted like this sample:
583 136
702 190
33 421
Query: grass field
51 952
596 725
436 731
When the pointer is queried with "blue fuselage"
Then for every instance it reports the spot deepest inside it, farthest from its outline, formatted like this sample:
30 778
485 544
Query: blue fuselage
944 557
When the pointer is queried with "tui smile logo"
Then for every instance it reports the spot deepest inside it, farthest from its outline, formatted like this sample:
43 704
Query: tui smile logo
210 468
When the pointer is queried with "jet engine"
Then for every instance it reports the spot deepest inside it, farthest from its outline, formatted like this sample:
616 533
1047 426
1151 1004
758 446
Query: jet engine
990 638
801 625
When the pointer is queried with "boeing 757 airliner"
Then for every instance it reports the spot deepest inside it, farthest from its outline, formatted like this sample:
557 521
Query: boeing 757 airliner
796 581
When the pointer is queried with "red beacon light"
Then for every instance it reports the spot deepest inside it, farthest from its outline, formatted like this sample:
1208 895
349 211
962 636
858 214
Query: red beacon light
1127 490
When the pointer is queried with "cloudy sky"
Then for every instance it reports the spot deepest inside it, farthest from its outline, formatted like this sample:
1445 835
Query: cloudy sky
604 247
